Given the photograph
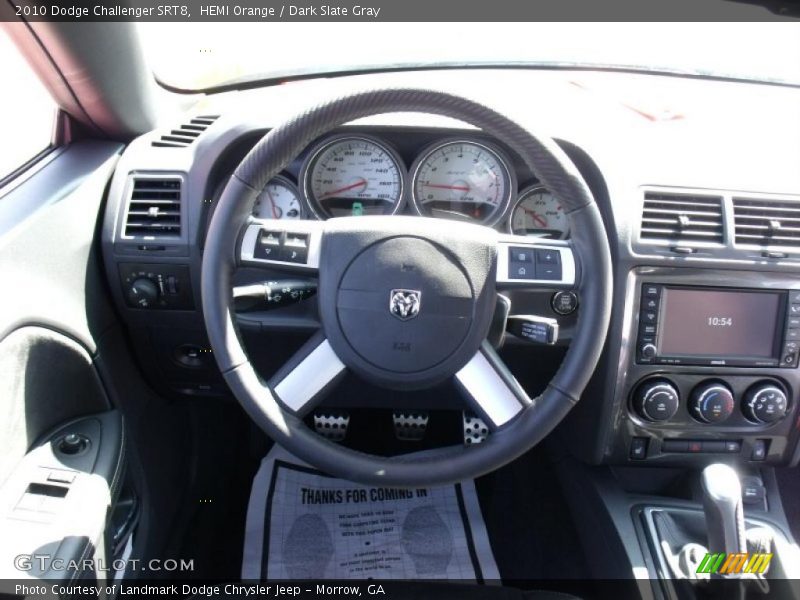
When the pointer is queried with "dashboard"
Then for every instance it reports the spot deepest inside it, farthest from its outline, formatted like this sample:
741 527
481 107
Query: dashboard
463 177
700 203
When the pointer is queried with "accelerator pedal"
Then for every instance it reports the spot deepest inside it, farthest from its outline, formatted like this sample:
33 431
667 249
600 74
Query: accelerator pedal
475 429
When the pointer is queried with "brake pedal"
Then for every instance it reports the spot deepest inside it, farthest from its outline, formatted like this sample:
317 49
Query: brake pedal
409 426
475 429
332 424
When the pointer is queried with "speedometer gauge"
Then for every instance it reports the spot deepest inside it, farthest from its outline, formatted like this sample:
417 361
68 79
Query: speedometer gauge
463 180
279 200
538 212
351 176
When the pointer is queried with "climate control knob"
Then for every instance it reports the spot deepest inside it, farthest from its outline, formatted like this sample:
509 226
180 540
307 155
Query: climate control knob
143 293
656 400
711 402
765 403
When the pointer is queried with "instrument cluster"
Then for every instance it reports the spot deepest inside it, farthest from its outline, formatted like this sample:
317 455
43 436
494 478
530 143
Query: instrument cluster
461 178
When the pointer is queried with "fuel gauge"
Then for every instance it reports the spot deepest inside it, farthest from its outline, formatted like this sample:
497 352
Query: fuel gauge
279 199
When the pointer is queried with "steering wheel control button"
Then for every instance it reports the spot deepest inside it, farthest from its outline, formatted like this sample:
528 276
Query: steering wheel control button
548 272
521 255
765 403
711 402
521 263
548 257
294 254
656 400
564 303
534 329
269 245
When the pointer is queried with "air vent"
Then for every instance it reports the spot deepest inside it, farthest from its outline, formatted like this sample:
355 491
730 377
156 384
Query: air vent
770 223
186 133
682 219
154 209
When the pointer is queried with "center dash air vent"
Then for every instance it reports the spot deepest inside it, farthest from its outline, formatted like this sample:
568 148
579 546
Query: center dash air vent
683 218
767 222
154 208
185 134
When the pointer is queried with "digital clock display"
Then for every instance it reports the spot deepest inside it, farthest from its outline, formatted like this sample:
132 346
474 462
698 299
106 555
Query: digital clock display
730 323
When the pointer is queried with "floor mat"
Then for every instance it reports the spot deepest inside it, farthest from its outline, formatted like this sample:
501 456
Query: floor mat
304 524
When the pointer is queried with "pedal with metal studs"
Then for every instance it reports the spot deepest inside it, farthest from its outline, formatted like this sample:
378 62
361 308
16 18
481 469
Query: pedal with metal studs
332 424
475 429
410 425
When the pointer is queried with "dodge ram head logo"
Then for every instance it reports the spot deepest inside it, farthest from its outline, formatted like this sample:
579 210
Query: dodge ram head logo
404 304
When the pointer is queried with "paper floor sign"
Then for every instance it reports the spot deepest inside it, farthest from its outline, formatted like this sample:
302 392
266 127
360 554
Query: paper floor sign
303 524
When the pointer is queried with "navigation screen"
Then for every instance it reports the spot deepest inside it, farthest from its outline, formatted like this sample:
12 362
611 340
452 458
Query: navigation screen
718 323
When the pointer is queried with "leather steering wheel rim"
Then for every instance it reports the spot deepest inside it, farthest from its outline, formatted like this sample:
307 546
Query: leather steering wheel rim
538 416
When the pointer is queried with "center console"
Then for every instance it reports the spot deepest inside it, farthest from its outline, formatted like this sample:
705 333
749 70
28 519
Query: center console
708 367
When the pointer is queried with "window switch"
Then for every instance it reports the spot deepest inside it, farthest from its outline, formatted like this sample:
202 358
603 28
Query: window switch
61 476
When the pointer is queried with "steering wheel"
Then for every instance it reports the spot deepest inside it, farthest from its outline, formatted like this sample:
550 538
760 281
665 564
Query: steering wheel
406 302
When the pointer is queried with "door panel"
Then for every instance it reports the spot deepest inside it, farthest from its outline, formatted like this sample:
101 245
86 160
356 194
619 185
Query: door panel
55 498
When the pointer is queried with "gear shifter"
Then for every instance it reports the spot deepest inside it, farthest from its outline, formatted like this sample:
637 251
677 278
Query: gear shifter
722 504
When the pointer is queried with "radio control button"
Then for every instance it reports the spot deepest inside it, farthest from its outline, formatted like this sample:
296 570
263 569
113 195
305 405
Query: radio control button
794 310
656 400
794 296
649 351
793 322
653 291
711 402
648 330
649 316
793 334
650 304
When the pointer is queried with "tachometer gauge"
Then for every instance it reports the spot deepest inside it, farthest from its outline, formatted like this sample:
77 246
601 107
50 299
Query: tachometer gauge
462 180
279 200
538 212
351 176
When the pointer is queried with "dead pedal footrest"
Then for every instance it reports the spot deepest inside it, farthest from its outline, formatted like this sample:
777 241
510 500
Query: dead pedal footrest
475 429
409 425
332 424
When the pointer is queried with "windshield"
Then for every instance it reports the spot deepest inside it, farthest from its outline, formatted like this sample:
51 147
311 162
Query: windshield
196 56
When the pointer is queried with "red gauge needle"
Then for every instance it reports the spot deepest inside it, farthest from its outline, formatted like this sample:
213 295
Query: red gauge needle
275 214
537 218
460 188
345 188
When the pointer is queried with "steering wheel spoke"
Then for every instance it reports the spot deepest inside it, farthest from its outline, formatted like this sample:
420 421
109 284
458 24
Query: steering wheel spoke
302 382
490 388
285 245
530 262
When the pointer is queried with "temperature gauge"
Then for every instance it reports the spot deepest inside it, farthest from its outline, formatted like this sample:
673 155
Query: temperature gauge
278 200
537 212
